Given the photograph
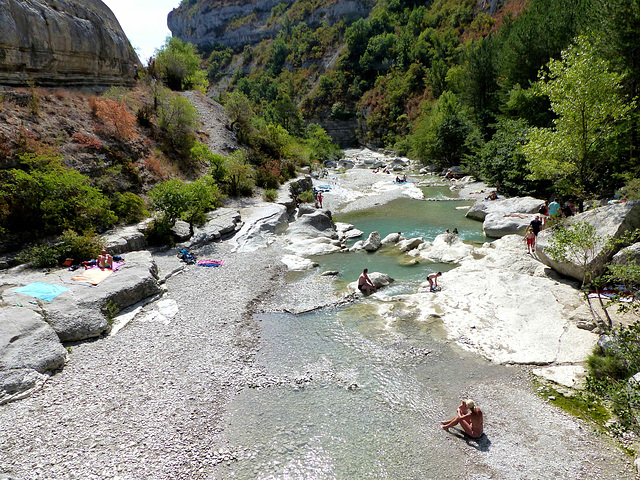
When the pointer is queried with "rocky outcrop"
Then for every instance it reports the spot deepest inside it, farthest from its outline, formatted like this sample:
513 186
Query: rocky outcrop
497 225
82 311
247 22
445 248
29 348
63 42
507 206
378 279
503 306
313 234
609 221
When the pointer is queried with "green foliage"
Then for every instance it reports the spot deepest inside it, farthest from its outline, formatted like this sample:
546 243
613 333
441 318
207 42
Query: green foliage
179 65
270 195
610 374
42 255
128 207
178 119
160 232
43 197
189 201
307 197
110 309
586 97
200 153
443 137
239 178
80 247
575 243
321 145
501 160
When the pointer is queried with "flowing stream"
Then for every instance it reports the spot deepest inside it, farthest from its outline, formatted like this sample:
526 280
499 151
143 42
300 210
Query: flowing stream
361 394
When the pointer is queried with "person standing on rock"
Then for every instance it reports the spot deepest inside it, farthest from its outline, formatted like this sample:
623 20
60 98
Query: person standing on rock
469 418
320 199
554 208
365 285
530 238
536 225
433 280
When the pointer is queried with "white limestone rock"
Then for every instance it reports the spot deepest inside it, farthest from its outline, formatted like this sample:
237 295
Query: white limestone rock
262 223
445 248
497 225
609 221
378 279
503 307
392 238
504 206
373 243
296 262
410 243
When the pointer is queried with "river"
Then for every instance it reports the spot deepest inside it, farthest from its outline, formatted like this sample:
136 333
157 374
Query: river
362 392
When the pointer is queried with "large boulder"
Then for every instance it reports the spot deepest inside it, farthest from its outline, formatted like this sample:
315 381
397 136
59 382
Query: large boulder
409 244
83 311
126 239
373 243
63 42
504 307
378 279
627 254
261 223
28 348
507 206
313 234
445 248
497 225
220 223
610 221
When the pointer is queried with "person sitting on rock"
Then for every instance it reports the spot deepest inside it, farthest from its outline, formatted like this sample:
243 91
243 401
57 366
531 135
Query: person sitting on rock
365 285
492 196
433 281
105 260
469 418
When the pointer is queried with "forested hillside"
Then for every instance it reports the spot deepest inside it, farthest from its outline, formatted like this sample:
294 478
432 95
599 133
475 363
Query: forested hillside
459 82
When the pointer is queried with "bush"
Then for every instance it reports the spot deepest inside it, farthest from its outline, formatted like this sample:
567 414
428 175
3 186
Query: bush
119 121
45 198
270 195
177 120
179 65
80 247
40 256
129 207
159 232
307 197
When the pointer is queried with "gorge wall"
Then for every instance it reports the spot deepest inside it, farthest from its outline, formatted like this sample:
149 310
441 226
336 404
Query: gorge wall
63 43
235 23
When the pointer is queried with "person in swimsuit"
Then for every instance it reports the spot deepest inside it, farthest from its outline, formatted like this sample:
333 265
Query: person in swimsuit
365 285
469 418
433 278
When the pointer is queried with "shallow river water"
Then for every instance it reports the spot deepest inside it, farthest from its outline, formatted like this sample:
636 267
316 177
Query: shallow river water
361 394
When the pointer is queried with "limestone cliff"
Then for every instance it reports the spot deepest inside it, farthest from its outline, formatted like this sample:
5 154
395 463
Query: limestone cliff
235 23
63 43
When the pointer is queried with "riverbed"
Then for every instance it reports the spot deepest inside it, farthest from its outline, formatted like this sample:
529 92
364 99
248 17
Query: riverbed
361 389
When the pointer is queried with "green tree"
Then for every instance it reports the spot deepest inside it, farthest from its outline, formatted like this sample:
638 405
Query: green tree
239 178
178 119
187 201
586 98
179 65
44 197
443 137
201 154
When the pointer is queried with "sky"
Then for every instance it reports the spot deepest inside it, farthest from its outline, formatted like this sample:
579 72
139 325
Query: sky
144 22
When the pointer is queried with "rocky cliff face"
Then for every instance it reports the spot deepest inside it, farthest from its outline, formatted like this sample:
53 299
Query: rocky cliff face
235 23
63 43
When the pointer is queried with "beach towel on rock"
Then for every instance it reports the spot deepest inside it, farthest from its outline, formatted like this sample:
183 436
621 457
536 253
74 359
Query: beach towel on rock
210 263
44 291
93 276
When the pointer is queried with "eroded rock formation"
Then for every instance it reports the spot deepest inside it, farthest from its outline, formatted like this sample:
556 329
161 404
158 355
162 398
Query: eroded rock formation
247 22
63 43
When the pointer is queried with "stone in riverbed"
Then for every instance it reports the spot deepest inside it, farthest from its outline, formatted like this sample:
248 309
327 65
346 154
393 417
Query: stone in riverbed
392 238
373 243
28 348
507 206
410 244
377 278
497 225
609 221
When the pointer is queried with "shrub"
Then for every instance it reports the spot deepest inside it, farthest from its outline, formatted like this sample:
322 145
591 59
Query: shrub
307 197
129 207
89 141
159 232
270 195
40 256
179 65
45 198
119 121
178 119
80 247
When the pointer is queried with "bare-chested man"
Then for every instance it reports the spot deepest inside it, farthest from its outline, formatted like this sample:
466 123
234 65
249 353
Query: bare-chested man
365 285
433 280
469 418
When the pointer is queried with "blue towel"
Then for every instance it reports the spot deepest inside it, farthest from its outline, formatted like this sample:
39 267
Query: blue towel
45 291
